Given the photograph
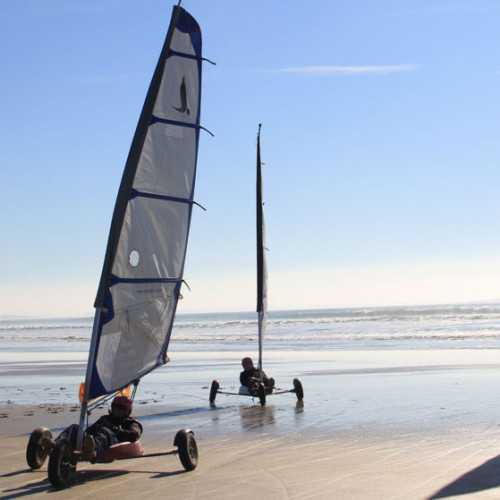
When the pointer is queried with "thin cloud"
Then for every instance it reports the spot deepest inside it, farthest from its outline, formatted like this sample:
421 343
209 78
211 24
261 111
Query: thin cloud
347 70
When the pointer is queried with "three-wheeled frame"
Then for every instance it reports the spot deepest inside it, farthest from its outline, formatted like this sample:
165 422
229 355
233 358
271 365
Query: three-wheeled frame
257 389
63 459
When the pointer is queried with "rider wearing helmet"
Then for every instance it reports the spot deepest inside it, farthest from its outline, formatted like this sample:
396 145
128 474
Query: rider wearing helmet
250 375
116 427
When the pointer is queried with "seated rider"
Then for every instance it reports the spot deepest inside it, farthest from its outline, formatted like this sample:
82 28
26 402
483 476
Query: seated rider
116 427
250 375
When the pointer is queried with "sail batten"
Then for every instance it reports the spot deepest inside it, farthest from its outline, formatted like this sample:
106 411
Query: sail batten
144 262
157 119
117 280
160 197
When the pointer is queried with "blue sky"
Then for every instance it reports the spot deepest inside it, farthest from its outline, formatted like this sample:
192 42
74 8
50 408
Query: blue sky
379 137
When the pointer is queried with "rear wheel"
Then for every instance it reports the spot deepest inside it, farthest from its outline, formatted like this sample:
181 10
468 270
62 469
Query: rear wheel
36 454
61 463
188 450
297 387
213 392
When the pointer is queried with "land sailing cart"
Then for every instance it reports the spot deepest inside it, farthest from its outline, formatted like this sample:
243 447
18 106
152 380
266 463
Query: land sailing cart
63 458
256 387
144 261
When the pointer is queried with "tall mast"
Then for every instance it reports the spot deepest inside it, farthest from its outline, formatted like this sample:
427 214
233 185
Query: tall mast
261 261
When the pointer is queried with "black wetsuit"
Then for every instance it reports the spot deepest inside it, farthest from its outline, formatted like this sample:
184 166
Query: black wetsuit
125 429
253 373
107 431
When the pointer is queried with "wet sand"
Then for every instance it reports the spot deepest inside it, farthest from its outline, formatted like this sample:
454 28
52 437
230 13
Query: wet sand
384 465
373 426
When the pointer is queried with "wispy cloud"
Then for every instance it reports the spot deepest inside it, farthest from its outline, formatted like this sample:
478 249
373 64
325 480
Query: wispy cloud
347 70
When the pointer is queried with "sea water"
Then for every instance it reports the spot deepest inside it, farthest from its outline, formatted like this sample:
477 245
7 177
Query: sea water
50 355
422 327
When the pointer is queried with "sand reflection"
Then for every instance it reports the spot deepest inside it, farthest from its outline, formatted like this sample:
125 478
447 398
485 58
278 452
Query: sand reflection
255 417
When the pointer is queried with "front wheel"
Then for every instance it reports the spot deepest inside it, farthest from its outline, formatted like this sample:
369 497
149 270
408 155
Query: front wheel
297 388
36 454
188 450
262 393
61 463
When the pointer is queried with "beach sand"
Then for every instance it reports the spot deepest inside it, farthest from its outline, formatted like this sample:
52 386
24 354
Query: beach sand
377 425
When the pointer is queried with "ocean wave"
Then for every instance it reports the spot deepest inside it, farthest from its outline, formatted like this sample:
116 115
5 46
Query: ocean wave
41 338
213 324
19 328
361 315
415 323
391 314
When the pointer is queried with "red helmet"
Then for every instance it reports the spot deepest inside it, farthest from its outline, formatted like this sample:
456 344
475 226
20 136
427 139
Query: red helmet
123 401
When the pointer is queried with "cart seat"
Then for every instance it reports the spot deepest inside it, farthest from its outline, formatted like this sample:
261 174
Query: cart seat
122 450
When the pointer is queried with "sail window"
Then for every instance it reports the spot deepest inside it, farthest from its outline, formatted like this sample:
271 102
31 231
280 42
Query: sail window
133 258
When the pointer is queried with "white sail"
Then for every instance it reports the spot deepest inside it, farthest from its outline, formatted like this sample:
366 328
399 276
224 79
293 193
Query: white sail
144 263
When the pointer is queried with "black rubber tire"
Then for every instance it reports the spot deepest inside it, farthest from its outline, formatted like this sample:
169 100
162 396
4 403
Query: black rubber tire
188 449
213 391
297 387
35 453
262 394
61 463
